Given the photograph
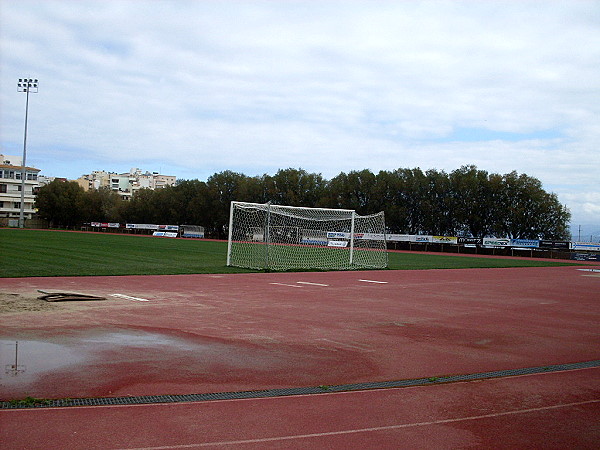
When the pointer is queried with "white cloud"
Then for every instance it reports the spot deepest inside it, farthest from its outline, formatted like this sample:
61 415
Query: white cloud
328 86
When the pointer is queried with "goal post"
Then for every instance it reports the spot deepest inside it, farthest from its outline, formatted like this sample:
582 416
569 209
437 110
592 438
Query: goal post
275 237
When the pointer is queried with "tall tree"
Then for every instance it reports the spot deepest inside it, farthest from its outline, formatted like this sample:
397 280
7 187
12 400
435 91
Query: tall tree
529 211
61 203
101 205
223 188
474 194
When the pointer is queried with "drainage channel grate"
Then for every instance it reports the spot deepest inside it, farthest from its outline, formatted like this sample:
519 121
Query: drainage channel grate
146 399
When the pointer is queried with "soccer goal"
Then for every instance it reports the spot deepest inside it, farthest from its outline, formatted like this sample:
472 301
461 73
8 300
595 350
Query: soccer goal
266 236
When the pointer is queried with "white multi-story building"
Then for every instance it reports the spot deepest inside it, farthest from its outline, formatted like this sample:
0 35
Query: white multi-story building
11 170
126 184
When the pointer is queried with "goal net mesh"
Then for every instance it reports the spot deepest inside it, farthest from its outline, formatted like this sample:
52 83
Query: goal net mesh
274 237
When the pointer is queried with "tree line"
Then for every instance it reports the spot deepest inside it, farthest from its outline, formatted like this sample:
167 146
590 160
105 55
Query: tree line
465 202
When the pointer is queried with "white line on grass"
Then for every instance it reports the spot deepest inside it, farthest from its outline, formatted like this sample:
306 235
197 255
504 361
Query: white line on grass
128 297
373 281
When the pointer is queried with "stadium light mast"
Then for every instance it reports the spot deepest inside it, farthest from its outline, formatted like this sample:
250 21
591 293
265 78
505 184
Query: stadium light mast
26 85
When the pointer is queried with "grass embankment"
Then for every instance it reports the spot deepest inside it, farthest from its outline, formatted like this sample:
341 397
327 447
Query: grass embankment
38 253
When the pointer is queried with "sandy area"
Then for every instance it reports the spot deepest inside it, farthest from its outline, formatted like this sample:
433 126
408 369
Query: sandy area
12 302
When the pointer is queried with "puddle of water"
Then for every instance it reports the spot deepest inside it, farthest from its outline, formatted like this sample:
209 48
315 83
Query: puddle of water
94 362
135 339
22 361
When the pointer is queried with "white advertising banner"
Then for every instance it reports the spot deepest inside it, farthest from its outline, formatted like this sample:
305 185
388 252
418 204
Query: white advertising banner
398 237
370 236
495 242
141 226
337 235
151 226
592 246
105 224
421 238
169 227
337 243
164 234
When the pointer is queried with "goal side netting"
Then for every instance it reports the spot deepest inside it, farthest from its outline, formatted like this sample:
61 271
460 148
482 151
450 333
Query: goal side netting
274 237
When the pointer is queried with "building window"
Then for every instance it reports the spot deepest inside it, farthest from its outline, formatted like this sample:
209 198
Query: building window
17 205
3 188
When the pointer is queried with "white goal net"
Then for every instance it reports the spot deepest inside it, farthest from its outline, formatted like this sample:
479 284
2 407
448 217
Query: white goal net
274 237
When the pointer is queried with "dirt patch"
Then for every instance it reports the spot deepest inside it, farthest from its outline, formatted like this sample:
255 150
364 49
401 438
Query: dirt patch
12 302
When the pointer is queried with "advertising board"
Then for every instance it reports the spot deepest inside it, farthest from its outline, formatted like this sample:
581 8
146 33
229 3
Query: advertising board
495 242
591 246
560 245
444 239
398 237
105 225
470 241
525 243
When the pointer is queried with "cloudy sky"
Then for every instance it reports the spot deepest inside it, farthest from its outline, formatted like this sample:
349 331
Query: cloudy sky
191 88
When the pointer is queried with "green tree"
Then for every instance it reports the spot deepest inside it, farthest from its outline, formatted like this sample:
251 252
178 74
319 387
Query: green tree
354 190
140 209
61 203
294 187
101 205
437 205
223 188
475 197
530 212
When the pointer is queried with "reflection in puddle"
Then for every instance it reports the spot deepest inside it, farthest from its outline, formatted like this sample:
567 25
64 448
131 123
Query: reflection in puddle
24 360
100 362
28 363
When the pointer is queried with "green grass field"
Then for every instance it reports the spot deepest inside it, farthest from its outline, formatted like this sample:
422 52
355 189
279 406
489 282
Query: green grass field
40 253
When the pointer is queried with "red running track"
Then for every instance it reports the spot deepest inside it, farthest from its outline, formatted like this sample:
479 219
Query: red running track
209 333
550 411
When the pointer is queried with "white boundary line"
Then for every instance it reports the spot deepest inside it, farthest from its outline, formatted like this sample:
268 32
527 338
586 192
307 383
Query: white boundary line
312 284
373 281
371 429
284 284
128 297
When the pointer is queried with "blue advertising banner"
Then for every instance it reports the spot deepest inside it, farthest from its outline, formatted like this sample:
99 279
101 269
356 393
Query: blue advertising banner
528 243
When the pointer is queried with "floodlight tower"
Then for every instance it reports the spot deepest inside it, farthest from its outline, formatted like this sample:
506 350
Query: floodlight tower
26 85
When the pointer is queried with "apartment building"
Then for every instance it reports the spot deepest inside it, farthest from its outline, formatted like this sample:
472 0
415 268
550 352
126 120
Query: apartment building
126 184
11 170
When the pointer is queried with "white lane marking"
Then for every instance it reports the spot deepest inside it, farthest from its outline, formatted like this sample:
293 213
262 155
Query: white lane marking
373 281
284 284
312 284
371 429
589 270
128 297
